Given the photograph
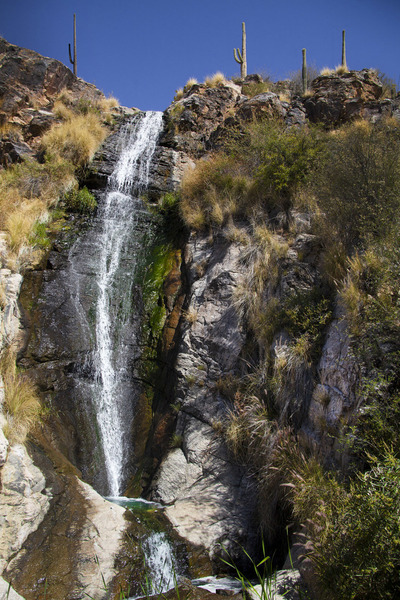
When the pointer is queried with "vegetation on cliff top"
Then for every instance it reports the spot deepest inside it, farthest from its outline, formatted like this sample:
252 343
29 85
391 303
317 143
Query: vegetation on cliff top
30 191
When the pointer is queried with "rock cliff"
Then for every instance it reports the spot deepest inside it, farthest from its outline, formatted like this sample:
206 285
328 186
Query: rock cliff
56 531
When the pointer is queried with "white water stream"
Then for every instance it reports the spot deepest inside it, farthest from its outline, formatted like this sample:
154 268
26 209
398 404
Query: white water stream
128 180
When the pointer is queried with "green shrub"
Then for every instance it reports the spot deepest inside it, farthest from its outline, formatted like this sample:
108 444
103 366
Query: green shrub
288 158
358 185
307 314
358 556
81 201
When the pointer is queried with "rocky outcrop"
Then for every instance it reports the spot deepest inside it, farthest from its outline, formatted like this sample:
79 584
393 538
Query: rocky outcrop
24 501
334 400
337 99
27 78
56 532
209 499
191 121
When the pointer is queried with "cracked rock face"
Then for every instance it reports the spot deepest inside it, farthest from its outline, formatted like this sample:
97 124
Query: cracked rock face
24 501
209 499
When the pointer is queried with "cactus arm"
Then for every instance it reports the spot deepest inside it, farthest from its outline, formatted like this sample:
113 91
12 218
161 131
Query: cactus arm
70 56
237 56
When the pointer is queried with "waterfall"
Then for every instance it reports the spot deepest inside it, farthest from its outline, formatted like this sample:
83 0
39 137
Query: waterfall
102 272
130 177
160 563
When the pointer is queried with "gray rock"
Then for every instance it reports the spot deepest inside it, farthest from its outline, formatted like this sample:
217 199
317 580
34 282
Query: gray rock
262 105
283 585
7 592
210 500
24 502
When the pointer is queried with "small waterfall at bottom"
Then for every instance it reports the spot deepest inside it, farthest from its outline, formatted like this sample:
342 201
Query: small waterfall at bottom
160 563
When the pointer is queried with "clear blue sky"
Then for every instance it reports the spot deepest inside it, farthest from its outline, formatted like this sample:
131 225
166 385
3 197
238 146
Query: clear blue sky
142 51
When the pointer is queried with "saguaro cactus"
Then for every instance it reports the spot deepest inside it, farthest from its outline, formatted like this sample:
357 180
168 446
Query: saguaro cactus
73 62
240 57
344 49
304 71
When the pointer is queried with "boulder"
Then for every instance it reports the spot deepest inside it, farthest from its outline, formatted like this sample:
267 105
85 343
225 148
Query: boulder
7 592
337 99
265 105
28 78
12 151
190 121
24 502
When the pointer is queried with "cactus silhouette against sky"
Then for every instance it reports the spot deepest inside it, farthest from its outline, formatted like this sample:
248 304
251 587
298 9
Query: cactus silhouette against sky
304 71
240 57
344 64
73 62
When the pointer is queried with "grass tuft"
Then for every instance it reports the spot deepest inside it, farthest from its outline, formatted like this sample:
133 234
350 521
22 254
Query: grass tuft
215 80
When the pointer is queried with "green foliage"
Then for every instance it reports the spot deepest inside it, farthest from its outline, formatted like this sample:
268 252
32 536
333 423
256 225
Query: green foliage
80 201
307 314
39 236
288 160
358 185
358 556
373 284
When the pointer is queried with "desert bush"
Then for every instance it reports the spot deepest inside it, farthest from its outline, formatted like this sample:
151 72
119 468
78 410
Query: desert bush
81 201
359 553
253 88
212 191
31 179
21 407
296 79
358 185
288 158
76 139
371 297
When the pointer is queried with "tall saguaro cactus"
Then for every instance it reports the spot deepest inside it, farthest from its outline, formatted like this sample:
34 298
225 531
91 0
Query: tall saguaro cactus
344 64
73 62
240 57
304 71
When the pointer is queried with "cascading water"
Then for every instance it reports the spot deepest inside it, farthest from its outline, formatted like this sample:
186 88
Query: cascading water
130 177
102 273
160 563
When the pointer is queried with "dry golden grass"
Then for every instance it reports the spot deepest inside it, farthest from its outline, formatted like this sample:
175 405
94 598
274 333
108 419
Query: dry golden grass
106 105
20 222
326 71
3 296
179 93
191 315
213 192
341 70
190 83
22 407
75 140
215 80
62 111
